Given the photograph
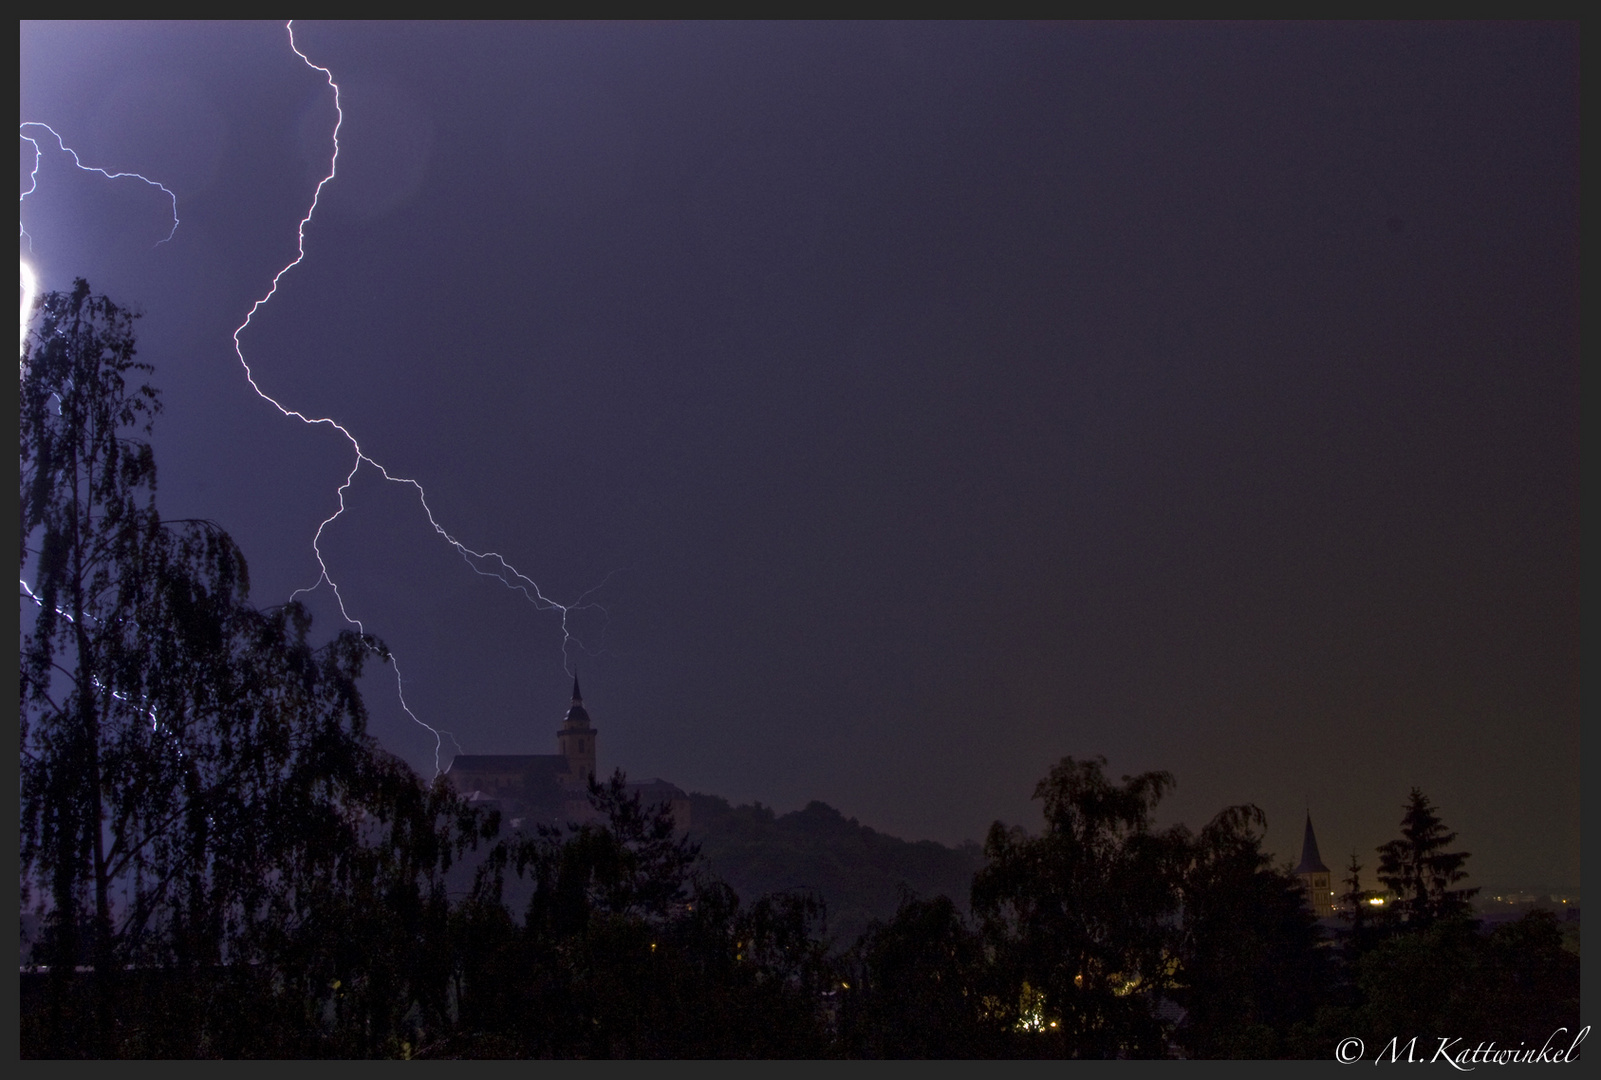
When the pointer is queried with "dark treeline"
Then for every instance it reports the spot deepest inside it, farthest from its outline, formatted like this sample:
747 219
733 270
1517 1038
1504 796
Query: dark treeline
859 872
222 863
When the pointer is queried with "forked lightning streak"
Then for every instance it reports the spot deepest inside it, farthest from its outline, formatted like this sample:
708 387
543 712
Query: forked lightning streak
485 563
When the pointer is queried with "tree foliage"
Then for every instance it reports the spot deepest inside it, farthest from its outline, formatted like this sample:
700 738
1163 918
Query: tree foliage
1514 985
199 792
627 950
921 987
860 872
1420 872
1355 909
1083 919
226 865
1251 967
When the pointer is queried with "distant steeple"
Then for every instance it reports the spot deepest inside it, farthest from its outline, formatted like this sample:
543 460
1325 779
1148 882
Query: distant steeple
577 715
576 740
1311 862
1314 876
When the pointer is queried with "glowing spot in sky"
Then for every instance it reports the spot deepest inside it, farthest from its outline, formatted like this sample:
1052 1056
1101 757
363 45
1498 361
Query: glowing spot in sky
30 291
30 281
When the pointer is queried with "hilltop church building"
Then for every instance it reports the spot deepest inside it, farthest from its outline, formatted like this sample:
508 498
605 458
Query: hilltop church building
1314 876
550 789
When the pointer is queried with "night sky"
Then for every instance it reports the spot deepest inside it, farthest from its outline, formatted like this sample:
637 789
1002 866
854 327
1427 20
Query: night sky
922 403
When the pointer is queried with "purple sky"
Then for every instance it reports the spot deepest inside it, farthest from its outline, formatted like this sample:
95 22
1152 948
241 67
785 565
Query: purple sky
940 400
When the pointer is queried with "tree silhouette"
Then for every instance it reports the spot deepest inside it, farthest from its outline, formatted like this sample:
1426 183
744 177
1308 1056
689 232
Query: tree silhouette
204 819
627 950
1251 967
1420 872
122 604
1082 920
1355 909
919 989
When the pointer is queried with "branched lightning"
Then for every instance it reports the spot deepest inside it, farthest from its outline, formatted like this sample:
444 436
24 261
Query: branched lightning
30 284
484 563
33 176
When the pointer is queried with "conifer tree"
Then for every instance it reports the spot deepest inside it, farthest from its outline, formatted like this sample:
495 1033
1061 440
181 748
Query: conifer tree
1419 870
1355 908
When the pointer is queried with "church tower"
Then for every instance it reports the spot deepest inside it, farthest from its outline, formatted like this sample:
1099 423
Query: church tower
1315 876
575 741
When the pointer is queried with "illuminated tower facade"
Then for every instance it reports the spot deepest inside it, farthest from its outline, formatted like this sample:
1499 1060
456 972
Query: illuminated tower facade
576 742
1315 877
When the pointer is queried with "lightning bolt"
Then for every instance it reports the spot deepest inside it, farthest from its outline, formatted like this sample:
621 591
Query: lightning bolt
30 282
38 153
38 601
489 564
29 286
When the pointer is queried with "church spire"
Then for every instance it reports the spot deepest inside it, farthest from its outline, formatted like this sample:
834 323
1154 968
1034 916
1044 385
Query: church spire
576 740
1311 861
577 715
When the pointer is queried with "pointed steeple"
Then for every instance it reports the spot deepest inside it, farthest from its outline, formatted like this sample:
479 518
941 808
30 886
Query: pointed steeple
1311 862
577 715
576 741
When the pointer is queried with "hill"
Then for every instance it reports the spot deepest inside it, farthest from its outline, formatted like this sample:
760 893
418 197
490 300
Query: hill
860 873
